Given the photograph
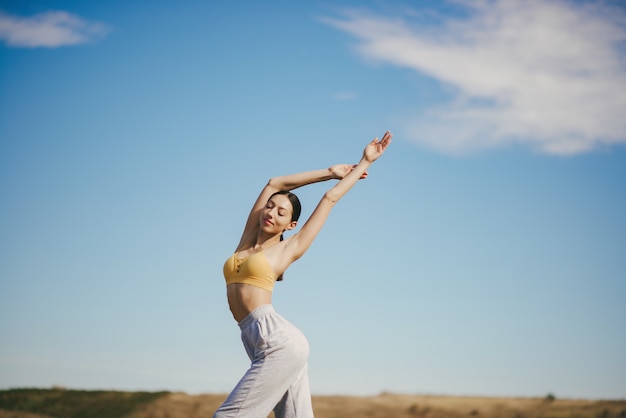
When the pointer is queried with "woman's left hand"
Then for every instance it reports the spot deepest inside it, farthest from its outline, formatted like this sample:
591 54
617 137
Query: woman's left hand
376 148
339 171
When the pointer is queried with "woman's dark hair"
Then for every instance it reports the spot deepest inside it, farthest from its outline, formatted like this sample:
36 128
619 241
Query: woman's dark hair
295 213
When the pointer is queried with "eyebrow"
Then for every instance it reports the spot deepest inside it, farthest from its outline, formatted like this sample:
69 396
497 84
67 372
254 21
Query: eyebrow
279 207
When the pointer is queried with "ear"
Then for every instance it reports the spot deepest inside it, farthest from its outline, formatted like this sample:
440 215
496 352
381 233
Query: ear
291 225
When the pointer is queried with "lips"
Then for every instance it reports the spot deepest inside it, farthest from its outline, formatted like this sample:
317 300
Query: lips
267 222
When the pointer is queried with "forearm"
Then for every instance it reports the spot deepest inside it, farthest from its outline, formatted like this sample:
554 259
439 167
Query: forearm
293 181
343 186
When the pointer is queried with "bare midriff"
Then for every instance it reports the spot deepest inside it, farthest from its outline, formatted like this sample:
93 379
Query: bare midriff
244 298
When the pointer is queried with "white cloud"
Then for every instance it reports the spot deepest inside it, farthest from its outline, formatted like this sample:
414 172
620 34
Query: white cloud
549 74
49 29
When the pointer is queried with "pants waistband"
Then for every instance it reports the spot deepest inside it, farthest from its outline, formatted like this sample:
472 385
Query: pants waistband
259 312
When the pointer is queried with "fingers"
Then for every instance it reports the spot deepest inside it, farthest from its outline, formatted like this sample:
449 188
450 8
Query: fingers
386 138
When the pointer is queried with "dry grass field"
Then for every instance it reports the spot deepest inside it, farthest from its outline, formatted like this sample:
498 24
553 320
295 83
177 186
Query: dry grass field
180 405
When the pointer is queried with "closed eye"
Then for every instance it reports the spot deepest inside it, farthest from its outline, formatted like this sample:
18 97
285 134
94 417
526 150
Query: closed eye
282 211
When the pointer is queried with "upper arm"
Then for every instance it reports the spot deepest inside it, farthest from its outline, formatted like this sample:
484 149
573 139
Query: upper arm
252 223
302 240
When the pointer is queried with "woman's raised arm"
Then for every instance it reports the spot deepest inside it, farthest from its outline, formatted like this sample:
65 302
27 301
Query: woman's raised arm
278 184
300 242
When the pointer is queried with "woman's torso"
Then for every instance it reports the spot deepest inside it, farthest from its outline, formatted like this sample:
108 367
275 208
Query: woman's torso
244 298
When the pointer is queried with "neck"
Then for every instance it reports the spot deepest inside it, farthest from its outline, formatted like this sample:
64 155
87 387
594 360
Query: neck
264 241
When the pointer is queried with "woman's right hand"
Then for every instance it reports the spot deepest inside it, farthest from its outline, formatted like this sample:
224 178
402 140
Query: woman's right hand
339 171
376 148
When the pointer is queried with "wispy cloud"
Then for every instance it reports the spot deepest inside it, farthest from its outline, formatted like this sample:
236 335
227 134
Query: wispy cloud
549 74
50 29
344 96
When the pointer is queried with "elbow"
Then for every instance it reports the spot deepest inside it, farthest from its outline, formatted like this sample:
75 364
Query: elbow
332 197
280 184
276 184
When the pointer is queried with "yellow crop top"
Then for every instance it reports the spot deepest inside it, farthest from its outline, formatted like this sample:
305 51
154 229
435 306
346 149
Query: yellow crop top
253 270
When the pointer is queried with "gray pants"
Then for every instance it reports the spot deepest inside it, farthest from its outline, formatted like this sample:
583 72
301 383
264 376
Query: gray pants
277 378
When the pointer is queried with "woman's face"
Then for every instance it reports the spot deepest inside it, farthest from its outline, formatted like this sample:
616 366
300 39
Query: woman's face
276 215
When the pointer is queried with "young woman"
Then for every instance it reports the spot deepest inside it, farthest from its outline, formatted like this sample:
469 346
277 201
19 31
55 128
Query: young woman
277 379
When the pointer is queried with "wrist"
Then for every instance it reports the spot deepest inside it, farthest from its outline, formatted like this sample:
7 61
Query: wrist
331 175
365 162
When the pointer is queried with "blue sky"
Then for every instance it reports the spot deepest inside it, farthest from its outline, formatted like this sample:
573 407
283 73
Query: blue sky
484 254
